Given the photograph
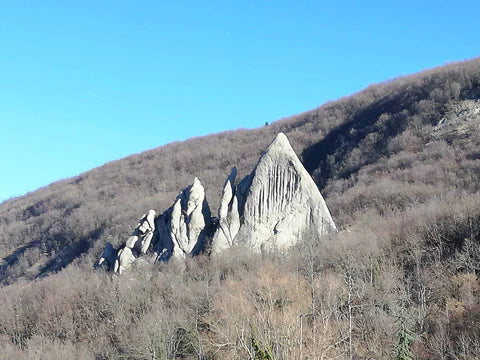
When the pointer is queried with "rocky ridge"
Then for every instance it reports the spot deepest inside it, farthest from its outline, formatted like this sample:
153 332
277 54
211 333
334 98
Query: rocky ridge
272 207
460 119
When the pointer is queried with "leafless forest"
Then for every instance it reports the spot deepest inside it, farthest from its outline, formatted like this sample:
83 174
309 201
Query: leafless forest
398 164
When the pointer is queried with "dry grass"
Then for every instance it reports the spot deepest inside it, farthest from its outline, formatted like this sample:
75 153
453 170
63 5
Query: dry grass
407 203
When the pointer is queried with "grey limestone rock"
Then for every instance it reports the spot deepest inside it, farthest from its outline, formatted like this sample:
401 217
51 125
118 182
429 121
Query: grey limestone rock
277 203
183 227
145 230
461 118
125 259
272 207
228 216
137 243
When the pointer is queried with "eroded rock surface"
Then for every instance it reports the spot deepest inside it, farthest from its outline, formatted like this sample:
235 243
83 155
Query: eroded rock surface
137 243
125 259
273 207
228 216
278 202
184 227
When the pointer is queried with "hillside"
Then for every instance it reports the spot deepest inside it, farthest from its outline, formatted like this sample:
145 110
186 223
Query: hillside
398 165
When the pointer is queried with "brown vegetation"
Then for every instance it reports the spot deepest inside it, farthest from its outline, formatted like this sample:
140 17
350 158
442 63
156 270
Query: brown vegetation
405 262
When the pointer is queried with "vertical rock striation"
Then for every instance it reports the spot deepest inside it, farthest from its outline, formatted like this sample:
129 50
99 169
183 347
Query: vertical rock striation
184 227
228 216
273 207
278 202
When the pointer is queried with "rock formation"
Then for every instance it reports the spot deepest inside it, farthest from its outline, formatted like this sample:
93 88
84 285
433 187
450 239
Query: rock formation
228 216
278 203
138 242
184 227
142 235
124 260
273 207
461 118
108 257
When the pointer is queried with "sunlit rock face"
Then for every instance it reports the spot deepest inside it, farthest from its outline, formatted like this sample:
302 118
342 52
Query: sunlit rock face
228 216
125 259
273 207
183 228
278 203
137 243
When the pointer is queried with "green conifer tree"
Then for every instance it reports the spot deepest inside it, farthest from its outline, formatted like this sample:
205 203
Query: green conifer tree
404 337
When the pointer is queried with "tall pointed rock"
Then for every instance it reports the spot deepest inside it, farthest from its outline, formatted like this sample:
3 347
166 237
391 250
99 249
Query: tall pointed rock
184 227
278 202
228 216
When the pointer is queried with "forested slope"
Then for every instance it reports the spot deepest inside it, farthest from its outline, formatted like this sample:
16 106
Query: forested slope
398 164
50 227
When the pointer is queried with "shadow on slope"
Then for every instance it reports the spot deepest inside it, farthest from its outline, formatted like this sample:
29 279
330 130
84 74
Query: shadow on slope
368 130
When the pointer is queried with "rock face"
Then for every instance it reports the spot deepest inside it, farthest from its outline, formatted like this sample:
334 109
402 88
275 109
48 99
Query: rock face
183 228
273 207
138 242
125 259
278 203
461 118
142 235
228 216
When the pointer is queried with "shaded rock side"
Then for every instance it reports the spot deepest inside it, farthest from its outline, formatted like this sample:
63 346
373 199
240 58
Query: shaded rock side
109 255
184 227
136 245
278 202
273 207
228 216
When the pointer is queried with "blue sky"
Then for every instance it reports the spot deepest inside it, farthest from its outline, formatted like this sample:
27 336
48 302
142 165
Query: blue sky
86 82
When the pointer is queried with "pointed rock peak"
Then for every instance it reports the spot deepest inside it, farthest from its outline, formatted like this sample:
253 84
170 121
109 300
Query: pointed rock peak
228 216
195 196
136 245
231 177
151 213
278 149
196 182
279 200
184 227
279 144
280 140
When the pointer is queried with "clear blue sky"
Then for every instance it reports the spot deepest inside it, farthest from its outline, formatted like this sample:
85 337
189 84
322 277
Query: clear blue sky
86 82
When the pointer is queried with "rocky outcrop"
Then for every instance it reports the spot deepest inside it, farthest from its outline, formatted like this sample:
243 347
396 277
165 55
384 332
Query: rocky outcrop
278 203
142 236
461 119
228 216
125 259
109 255
273 207
137 243
184 227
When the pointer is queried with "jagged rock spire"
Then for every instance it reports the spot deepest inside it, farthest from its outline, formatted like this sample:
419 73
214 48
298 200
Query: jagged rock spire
183 228
278 202
274 206
137 243
228 216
